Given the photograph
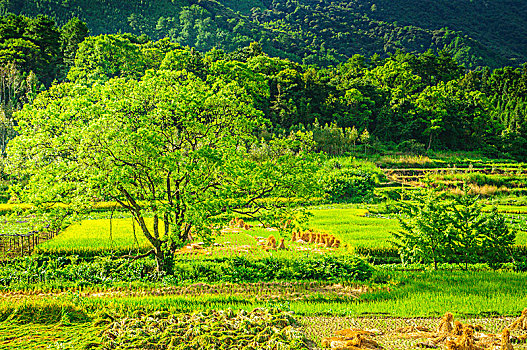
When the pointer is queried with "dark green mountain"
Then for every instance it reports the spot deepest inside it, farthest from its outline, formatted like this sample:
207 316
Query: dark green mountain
476 32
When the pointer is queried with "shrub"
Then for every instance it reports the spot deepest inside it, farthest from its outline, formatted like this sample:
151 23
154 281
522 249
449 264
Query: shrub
241 269
105 270
412 147
348 185
390 255
436 230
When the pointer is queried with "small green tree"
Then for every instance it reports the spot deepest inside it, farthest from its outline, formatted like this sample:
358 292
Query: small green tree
499 239
467 224
476 234
365 139
460 231
424 228
353 136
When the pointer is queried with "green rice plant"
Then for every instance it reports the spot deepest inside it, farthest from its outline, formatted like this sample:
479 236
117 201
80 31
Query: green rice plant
401 295
98 235
354 229
510 209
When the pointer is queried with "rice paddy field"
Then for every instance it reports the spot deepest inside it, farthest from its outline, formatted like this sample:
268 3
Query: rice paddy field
49 307
354 226
72 320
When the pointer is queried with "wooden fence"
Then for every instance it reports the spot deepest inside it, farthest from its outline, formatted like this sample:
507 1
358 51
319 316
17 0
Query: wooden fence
22 244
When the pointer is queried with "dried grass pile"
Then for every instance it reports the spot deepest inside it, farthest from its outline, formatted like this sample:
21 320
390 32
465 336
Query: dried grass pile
192 249
236 223
351 339
323 239
520 323
453 335
270 242
259 329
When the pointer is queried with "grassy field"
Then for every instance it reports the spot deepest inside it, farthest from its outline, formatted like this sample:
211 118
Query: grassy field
401 294
61 316
348 224
353 227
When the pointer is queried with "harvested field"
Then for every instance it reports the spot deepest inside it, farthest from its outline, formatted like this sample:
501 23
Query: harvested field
261 291
318 328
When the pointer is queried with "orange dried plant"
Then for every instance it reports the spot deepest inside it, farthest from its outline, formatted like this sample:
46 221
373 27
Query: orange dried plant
271 242
445 326
520 323
506 340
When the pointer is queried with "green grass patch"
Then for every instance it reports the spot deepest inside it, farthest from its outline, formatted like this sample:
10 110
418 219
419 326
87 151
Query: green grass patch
92 236
353 228
509 209
402 294
412 294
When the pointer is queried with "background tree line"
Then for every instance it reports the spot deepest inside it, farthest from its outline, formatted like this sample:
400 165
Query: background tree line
34 52
426 99
477 33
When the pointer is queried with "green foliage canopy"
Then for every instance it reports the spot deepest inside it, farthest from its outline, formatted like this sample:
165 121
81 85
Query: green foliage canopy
168 144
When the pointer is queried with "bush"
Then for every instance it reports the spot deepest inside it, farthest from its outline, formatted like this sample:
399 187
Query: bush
241 269
105 270
433 229
380 255
520 265
348 185
412 147
390 255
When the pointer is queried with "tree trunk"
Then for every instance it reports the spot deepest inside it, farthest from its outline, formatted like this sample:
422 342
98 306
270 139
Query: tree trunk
160 258
186 234
429 142
154 239
166 220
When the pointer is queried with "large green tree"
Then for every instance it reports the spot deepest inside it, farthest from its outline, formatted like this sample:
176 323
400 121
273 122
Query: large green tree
168 145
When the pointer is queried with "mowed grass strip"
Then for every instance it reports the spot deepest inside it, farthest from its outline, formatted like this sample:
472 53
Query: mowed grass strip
509 209
409 294
415 294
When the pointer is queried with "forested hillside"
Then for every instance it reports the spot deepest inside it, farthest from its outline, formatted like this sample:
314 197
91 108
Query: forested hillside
477 33
412 102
